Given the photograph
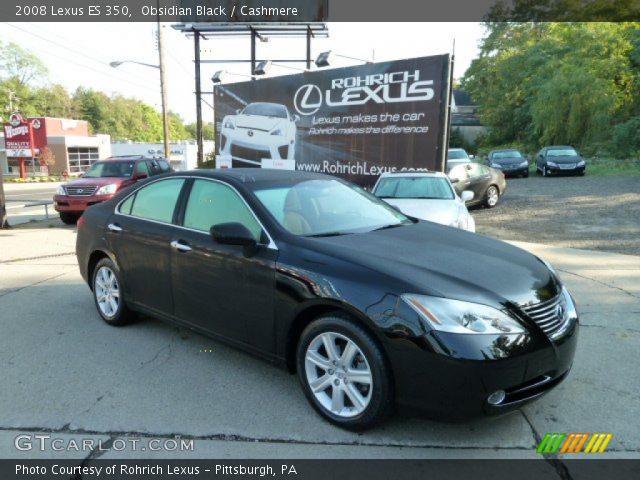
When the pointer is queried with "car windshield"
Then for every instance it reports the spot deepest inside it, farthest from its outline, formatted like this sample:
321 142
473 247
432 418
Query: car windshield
457 154
110 169
506 154
266 110
322 208
436 188
562 152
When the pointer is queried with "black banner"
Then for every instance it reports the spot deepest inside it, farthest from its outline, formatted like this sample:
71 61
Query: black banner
354 122
159 469
198 11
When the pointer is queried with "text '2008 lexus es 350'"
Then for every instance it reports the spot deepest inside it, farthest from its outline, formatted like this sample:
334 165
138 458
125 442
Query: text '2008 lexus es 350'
371 308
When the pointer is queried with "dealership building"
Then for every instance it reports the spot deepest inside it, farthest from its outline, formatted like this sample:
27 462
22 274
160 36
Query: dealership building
73 148
183 155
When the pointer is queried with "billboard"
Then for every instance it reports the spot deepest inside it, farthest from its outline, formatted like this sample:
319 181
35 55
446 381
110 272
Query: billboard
355 122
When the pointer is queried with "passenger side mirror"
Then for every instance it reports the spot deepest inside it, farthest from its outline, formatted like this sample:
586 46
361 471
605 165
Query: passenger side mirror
467 196
141 176
232 233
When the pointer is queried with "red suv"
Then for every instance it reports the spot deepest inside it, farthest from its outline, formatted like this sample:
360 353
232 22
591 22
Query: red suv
101 181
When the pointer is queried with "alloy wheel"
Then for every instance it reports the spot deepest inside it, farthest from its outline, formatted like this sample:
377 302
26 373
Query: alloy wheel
492 196
338 374
107 291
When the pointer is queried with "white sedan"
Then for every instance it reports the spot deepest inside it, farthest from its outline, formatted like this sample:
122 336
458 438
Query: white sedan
428 196
259 131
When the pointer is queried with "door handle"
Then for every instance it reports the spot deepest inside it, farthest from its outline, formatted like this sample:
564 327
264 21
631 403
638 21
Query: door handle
114 228
181 247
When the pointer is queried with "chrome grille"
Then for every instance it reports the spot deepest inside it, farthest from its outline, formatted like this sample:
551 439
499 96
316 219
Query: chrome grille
84 191
548 315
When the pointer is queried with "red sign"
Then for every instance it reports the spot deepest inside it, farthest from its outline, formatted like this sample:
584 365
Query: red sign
18 137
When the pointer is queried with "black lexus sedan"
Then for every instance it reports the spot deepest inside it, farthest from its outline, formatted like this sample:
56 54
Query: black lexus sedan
510 161
371 308
560 159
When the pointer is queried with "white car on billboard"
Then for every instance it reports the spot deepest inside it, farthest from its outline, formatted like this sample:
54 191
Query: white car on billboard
428 196
260 131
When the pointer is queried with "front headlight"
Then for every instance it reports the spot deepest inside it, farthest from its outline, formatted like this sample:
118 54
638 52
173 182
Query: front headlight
496 165
229 124
455 316
277 131
552 164
60 190
524 164
570 310
581 163
108 189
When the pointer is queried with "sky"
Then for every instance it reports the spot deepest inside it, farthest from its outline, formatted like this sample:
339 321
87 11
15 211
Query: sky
78 54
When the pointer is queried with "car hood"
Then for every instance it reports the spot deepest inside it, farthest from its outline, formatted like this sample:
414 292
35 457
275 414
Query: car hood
100 181
258 122
442 261
439 211
567 159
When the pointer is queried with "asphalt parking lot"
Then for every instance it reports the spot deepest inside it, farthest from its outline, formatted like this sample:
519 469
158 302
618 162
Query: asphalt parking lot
593 213
67 373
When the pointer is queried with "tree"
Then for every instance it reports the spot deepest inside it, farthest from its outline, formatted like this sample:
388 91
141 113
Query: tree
20 64
47 158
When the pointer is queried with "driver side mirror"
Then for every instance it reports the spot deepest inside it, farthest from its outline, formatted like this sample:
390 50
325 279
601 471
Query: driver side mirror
232 233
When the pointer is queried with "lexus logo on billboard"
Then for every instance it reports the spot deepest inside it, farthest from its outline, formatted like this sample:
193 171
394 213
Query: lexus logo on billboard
308 99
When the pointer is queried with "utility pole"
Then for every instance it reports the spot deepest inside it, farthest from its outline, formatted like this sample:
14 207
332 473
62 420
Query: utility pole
3 203
163 89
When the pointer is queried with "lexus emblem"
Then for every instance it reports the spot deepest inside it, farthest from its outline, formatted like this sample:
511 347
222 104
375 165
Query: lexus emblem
80 190
250 133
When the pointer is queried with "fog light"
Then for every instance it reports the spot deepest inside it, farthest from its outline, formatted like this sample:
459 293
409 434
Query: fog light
496 398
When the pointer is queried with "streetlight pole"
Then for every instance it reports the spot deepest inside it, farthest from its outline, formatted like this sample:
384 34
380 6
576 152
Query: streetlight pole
163 88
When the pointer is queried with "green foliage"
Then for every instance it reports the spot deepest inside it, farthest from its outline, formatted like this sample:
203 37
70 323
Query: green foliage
626 138
208 131
22 73
567 83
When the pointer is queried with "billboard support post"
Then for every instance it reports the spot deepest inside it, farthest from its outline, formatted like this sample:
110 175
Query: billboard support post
196 47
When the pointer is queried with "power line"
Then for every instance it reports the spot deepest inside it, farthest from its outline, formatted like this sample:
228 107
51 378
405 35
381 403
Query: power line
105 72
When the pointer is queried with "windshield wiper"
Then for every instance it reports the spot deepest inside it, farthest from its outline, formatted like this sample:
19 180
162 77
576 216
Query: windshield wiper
386 227
327 234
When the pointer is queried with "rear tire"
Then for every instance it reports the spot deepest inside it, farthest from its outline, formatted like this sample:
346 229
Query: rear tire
492 197
69 218
344 374
108 294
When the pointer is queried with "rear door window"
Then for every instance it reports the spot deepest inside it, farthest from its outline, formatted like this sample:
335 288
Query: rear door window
156 201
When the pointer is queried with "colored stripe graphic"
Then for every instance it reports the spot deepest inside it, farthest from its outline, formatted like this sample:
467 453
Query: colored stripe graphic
573 442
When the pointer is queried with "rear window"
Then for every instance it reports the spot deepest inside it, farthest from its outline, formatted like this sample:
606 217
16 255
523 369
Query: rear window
436 188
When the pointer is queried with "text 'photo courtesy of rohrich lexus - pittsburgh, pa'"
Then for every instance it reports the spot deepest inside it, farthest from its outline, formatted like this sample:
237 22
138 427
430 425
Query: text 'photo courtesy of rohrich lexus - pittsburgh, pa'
374 310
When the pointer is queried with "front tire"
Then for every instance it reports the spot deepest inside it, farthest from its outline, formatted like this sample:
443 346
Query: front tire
108 294
69 218
492 196
344 374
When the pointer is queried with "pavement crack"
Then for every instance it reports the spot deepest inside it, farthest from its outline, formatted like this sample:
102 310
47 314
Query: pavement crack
39 282
39 257
155 357
553 460
95 453
599 282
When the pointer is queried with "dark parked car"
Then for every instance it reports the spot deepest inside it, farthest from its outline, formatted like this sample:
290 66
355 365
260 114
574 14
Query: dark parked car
101 181
371 308
510 162
486 183
560 159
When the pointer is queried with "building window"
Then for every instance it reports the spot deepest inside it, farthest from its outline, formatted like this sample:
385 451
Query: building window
81 158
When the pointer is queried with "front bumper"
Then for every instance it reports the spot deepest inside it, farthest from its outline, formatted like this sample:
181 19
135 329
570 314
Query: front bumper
512 172
450 376
77 204
560 170
253 149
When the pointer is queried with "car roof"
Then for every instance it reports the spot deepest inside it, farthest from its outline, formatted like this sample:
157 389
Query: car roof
457 150
505 150
412 174
258 176
555 147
